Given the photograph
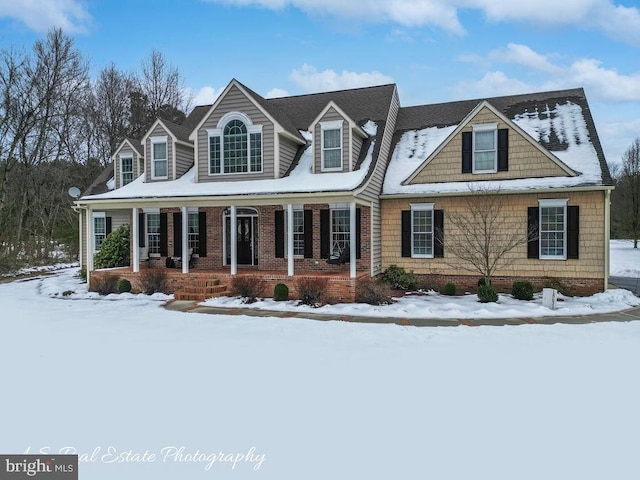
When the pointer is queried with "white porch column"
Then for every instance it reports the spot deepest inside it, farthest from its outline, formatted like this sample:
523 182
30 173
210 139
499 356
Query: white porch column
90 240
352 239
233 229
80 257
185 239
135 228
290 240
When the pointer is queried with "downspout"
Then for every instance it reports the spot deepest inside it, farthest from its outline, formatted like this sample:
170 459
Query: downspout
607 235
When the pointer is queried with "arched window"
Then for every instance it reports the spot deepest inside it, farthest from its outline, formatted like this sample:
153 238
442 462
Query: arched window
235 146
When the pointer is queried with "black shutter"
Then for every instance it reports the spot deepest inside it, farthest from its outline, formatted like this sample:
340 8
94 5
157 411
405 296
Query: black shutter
503 149
438 243
202 234
573 231
533 231
279 231
141 231
358 234
325 234
467 151
108 225
406 233
177 234
308 234
164 249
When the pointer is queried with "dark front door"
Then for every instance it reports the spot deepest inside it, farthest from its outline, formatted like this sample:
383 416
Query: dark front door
245 238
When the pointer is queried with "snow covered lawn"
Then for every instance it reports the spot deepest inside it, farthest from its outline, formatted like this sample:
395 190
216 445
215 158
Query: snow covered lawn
625 260
142 392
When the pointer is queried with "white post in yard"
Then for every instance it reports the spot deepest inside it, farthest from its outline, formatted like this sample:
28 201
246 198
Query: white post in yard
185 239
352 239
290 240
234 240
135 237
90 241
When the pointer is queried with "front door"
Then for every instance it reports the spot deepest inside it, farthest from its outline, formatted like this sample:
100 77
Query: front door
245 241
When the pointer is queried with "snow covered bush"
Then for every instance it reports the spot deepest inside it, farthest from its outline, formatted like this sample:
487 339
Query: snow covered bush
153 280
114 249
247 287
373 292
311 291
398 278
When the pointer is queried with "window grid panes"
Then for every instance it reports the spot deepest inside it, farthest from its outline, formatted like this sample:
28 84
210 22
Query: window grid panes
126 165
194 231
298 233
160 160
256 152
235 147
214 154
484 155
332 148
99 231
153 232
340 228
422 231
552 231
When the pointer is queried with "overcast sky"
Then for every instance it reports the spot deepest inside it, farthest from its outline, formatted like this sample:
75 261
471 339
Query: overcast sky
434 50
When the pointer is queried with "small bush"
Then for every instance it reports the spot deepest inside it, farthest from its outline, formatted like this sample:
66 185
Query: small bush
373 292
280 292
522 290
449 289
114 249
124 285
153 280
104 284
311 291
487 294
82 273
67 293
482 282
247 287
398 278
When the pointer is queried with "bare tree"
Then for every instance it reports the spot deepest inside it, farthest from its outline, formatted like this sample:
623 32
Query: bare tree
482 235
629 195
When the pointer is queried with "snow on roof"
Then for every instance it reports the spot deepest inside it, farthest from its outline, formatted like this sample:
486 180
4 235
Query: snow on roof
111 183
300 180
562 130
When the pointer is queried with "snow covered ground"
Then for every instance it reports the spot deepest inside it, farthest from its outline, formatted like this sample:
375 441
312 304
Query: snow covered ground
625 260
142 392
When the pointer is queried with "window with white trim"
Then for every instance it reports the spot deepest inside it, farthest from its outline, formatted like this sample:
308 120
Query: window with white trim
553 229
126 169
159 158
153 232
298 232
99 229
331 148
422 230
485 148
236 146
340 229
193 229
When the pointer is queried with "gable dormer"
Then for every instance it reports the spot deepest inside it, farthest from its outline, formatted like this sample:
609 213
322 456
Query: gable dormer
486 145
337 140
128 162
168 152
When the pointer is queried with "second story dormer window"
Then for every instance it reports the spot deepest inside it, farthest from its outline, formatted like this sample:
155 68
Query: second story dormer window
485 156
126 169
236 147
331 145
159 163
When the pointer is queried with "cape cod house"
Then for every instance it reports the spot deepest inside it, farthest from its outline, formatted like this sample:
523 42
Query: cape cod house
274 187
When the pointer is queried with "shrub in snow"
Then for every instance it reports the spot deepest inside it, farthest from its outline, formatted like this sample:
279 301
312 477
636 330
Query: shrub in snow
398 277
482 281
124 285
104 284
82 273
153 280
522 290
449 289
247 287
487 293
373 292
280 292
311 291
114 249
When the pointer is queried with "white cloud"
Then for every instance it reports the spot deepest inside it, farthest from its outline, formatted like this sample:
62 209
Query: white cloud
523 55
619 22
309 79
205 95
493 84
276 92
41 15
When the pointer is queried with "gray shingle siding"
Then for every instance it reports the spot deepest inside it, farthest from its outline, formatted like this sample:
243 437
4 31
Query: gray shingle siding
288 150
184 159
